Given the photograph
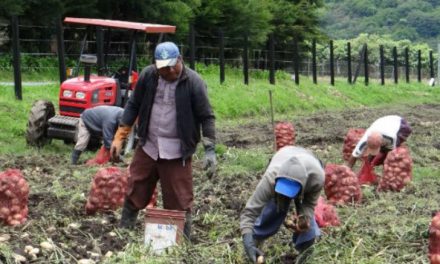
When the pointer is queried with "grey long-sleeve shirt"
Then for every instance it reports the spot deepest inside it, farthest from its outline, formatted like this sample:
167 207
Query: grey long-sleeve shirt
103 120
292 162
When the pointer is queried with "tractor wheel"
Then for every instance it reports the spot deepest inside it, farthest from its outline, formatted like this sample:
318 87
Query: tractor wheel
36 133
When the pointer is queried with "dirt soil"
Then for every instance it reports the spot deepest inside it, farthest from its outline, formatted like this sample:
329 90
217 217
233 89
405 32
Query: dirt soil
56 212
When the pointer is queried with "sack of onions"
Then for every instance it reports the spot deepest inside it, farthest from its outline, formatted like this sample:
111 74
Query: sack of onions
108 190
397 170
14 195
341 185
284 134
351 139
434 239
325 214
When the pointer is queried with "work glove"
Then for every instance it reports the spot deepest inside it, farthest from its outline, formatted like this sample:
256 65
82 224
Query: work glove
118 140
249 246
209 163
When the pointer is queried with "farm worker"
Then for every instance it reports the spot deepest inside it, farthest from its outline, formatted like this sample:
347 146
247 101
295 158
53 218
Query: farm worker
383 135
294 175
101 121
173 106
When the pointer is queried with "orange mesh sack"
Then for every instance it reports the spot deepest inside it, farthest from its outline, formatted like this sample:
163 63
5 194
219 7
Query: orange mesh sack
341 185
434 239
14 197
351 139
108 190
325 214
397 170
284 134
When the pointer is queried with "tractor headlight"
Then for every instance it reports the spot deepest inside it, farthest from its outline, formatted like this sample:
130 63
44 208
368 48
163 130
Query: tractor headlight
80 95
67 93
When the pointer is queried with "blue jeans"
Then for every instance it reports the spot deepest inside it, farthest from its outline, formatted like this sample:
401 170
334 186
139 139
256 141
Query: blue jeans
269 222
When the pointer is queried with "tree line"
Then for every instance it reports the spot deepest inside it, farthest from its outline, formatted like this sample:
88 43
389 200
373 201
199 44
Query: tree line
256 18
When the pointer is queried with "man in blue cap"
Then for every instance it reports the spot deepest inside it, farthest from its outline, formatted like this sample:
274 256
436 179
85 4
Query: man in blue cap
174 114
294 173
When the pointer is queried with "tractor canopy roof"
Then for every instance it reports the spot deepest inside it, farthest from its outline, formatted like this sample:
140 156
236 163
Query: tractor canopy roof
145 27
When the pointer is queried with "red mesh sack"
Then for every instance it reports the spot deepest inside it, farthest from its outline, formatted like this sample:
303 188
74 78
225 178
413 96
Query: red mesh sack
341 185
351 139
284 134
434 239
397 170
366 174
14 196
325 214
108 190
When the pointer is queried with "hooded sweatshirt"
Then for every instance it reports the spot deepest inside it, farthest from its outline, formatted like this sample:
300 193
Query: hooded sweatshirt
291 162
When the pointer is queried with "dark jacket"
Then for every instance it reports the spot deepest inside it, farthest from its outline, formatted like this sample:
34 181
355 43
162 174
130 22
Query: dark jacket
193 109
102 121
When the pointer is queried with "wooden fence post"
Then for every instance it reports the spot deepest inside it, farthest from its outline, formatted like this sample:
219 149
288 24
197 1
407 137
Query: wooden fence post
332 67
407 65
246 60
296 60
314 73
349 62
366 73
431 65
361 60
60 49
419 65
382 65
192 47
396 69
271 59
222 56
16 57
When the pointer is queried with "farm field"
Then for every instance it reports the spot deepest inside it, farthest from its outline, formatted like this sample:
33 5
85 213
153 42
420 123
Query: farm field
384 228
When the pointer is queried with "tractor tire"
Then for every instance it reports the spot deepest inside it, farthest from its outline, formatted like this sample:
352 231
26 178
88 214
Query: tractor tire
36 132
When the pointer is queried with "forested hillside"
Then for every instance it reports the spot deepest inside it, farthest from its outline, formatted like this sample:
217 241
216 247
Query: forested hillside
416 20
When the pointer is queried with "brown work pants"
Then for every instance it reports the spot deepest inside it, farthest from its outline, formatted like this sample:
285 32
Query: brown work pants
175 179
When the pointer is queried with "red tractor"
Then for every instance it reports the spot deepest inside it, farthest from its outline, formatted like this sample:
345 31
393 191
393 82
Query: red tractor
83 92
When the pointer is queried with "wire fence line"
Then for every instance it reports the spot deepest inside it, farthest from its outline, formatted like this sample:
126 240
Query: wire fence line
117 49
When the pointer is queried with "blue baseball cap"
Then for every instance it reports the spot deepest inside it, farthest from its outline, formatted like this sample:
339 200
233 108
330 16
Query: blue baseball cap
287 187
166 54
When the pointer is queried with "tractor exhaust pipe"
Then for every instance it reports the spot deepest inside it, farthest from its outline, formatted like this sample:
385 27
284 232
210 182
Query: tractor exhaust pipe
87 72
88 61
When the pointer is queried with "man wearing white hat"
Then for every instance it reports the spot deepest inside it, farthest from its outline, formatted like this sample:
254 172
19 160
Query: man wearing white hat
294 174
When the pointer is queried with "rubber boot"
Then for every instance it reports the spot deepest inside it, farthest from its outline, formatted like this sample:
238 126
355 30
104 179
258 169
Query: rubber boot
75 156
187 226
129 215
305 250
